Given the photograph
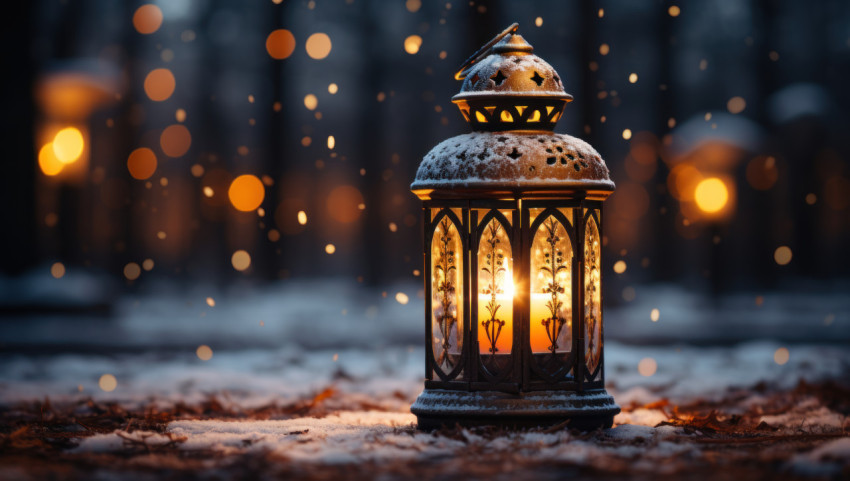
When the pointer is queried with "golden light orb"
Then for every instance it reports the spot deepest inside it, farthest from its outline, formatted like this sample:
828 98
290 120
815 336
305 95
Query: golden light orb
782 255
711 195
318 46
240 260
246 192
204 352
47 161
412 44
68 145
107 382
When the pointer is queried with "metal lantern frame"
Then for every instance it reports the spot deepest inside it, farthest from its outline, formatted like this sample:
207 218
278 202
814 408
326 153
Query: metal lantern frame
475 385
525 374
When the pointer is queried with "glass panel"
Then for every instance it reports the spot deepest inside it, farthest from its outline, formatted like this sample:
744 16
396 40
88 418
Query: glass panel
592 296
446 295
506 116
495 291
533 213
480 117
508 213
551 289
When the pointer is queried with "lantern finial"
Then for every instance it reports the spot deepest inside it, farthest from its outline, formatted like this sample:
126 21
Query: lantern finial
507 87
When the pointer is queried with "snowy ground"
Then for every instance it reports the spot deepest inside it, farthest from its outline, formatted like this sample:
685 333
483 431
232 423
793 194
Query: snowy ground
304 387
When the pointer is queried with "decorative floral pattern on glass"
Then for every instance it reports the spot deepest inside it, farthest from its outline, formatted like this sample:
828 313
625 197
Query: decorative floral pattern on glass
446 295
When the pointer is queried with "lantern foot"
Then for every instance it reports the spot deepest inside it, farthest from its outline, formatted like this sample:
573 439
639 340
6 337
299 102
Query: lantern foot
585 410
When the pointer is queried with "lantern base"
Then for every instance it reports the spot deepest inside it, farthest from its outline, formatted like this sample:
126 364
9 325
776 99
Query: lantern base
585 410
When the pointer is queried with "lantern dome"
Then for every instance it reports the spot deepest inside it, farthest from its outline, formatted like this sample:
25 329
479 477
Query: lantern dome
512 161
512 99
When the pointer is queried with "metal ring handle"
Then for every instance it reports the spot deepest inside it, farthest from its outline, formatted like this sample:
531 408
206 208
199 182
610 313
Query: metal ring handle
483 51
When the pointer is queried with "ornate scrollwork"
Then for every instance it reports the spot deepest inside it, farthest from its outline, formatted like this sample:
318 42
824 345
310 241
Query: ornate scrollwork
553 263
493 266
593 348
445 269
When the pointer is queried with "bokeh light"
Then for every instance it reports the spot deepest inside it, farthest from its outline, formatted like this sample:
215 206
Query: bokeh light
401 298
647 366
240 260
302 217
246 192
736 105
147 19
107 382
57 270
142 163
654 315
280 44
159 84
711 195
311 102
412 44
782 255
204 352
413 5
175 140
330 248
68 145
333 88
47 161
132 271
318 46
620 266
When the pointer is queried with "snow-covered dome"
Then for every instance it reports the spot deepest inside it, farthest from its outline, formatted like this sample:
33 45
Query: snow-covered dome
513 160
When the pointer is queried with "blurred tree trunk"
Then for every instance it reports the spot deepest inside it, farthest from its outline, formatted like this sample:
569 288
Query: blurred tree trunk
17 184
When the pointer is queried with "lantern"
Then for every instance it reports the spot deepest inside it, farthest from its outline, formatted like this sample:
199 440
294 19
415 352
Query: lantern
513 234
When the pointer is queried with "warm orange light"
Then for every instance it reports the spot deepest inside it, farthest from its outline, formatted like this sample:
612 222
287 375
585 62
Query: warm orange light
159 84
132 271
47 160
175 140
204 352
147 19
241 260
412 44
311 102
141 163
107 382
68 145
342 204
280 44
246 193
782 255
318 46
57 270
711 195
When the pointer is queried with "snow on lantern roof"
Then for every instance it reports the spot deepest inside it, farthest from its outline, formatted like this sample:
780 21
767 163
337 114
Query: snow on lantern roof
513 161
512 99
